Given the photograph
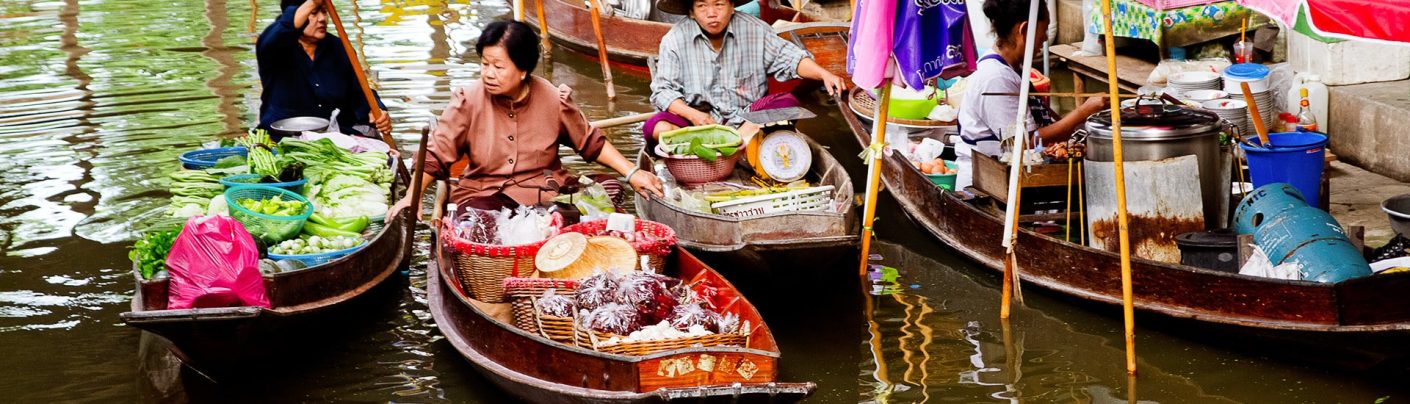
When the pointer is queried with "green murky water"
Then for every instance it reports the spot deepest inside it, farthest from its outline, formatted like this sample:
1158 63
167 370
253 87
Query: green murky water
98 97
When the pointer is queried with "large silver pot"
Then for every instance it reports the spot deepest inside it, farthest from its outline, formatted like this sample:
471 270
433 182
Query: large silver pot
1172 159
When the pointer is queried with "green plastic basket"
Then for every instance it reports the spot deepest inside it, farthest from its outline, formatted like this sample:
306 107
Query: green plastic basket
268 228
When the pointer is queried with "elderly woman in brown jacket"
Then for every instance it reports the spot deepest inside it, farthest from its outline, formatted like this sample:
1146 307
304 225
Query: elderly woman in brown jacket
509 125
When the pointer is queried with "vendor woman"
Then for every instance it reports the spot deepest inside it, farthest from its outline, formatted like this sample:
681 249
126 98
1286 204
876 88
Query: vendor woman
305 72
985 121
509 126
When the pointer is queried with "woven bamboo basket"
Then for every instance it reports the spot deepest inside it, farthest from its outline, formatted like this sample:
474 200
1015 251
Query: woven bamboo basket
523 295
594 340
655 249
484 267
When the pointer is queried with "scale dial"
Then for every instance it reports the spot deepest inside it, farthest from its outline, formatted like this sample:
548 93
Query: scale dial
785 156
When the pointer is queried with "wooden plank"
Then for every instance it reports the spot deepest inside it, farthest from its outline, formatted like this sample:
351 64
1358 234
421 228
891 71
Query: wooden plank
1131 72
992 176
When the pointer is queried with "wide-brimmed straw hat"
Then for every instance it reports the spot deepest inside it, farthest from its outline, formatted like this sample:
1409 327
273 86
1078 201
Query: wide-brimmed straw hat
682 7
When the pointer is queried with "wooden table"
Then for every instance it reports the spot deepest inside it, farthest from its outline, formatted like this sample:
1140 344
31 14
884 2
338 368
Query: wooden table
1131 72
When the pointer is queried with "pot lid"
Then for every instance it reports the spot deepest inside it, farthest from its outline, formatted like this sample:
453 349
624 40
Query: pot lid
1209 238
1157 122
1246 71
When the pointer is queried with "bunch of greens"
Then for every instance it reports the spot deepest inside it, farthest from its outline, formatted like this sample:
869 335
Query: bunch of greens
342 184
275 206
149 252
706 142
191 192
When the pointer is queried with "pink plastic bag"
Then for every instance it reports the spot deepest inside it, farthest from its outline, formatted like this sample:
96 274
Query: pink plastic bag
214 263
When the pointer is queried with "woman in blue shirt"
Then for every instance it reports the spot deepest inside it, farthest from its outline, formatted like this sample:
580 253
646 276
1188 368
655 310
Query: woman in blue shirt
305 71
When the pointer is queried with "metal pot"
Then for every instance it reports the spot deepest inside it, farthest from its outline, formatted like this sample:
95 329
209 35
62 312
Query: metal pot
1171 154
297 125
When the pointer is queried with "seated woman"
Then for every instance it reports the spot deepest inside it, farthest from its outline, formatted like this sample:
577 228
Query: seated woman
305 72
985 121
509 125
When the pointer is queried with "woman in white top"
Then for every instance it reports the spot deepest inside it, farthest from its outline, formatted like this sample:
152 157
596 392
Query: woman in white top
985 121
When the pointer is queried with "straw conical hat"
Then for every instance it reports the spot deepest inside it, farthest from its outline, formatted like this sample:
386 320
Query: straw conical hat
559 253
619 256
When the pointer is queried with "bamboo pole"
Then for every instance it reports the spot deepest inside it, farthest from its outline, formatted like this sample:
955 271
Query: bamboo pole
595 8
1124 231
519 10
1020 135
621 120
543 28
873 154
373 110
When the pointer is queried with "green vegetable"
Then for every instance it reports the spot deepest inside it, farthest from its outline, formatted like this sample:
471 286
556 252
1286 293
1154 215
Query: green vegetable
149 252
354 225
315 229
274 206
314 245
320 219
231 161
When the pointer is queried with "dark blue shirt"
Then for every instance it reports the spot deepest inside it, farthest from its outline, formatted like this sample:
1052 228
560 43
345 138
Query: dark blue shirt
294 85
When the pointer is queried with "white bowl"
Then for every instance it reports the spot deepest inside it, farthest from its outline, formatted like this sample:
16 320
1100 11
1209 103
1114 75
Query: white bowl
1205 95
1187 78
1224 105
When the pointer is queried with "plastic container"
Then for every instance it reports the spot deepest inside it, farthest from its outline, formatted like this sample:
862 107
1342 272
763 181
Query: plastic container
946 181
268 228
320 258
1316 96
206 158
1296 158
907 103
1211 249
253 179
690 169
1254 74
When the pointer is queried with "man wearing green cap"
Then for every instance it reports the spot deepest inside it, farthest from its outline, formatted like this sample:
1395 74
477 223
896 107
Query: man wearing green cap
714 67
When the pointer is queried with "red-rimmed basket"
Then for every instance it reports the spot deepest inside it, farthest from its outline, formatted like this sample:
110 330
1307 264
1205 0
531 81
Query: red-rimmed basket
656 249
483 267
596 340
695 170
523 296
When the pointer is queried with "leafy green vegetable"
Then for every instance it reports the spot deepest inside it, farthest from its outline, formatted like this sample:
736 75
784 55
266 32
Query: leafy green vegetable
275 206
149 252
230 161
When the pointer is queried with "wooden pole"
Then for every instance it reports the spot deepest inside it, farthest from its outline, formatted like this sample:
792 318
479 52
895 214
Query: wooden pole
374 110
874 155
1019 132
415 211
1258 125
621 120
1124 232
595 8
543 28
519 10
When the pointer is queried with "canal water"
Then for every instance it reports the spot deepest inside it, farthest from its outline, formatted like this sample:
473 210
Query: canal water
98 97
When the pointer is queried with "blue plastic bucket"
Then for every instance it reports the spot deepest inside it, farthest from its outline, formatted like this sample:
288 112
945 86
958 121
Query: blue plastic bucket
1264 203
1296 158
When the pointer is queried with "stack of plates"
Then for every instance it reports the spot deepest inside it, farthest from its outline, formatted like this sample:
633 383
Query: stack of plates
1266 107
1234 111
1180 83
1256 76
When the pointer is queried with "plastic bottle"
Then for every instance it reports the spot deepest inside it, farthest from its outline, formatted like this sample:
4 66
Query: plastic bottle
668 181
1316 97
1306 121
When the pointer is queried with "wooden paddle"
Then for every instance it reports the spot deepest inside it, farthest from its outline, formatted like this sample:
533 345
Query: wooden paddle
374 110
621 120
1253 112
415 211
595 8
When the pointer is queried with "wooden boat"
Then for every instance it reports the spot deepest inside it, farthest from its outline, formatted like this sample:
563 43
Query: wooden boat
629 40
795 234
537 369
214 339
1367 318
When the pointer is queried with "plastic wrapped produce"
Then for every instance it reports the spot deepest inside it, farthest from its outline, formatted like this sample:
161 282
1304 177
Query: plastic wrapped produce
649 293
557 305
729 324
596 290
615 318
688 315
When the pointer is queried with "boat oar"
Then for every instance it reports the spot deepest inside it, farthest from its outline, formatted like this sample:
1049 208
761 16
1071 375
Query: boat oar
1122 224
621 120
417 169
873 154
595 8
373 110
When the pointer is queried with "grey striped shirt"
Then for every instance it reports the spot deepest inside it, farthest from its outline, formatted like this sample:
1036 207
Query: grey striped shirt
689 69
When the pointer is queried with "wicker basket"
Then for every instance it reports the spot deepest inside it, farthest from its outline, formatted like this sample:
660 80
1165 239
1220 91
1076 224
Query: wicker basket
656 249
523 293
484 267
594 340
695 170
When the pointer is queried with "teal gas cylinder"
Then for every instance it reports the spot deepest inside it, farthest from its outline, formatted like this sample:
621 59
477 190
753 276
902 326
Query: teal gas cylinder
1301 234
1265 201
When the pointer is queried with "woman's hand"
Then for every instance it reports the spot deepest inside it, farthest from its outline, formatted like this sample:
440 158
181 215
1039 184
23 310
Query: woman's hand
1096 104
646 184
834 84
383 122
402 204
699 118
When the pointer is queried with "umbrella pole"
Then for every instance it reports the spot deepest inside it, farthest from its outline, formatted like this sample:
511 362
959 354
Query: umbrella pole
373 110
596 10
1020 136
1122 224
519 10
873 155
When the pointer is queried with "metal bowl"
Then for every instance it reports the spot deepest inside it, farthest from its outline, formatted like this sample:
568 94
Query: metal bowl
297 125
1398 208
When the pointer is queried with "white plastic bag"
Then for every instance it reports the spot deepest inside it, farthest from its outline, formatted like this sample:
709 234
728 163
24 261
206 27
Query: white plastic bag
1259 265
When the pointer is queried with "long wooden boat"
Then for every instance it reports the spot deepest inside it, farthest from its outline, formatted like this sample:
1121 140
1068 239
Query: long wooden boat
215 339
629 40
537 369
795 234
1367 320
